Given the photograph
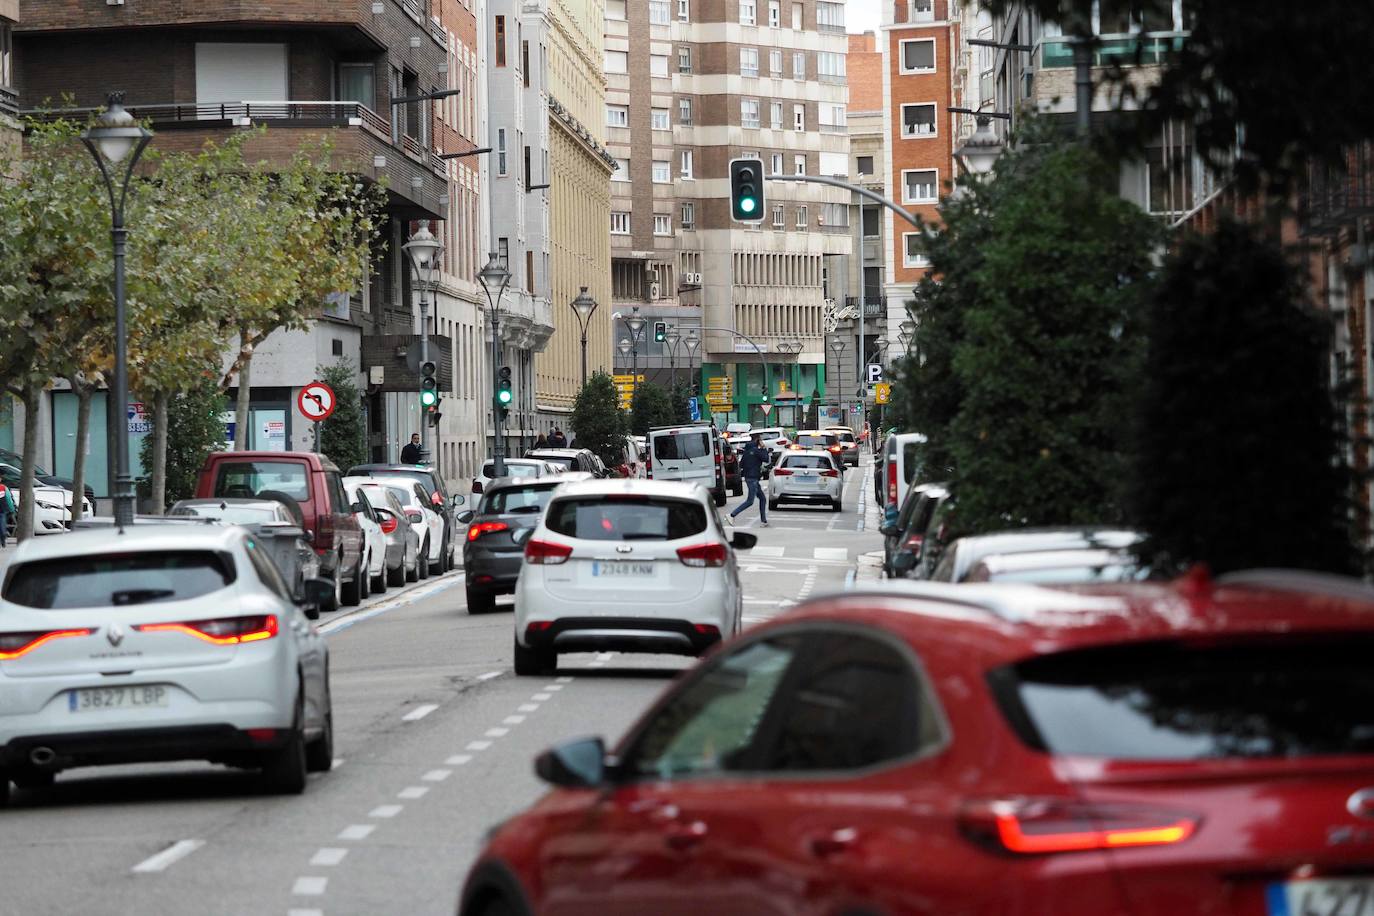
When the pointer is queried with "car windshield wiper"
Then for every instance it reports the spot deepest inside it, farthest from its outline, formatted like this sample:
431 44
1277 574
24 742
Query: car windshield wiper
139 595
642 536
525 509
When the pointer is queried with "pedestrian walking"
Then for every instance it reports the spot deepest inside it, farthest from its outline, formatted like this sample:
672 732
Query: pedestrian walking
542 441
752 461
7 512
557 439
863 436
411 453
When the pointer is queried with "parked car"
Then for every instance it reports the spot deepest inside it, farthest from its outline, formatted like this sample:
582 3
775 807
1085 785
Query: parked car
313 484
271 521
424 518
215 659
627 565
375 540
982 750
515 467
939 534
1059 567
962 555
494 548
903 465
52 508
908 532
690 454
572 459
848 442
16 461
402 537
818 439
808 477
440 500
774 438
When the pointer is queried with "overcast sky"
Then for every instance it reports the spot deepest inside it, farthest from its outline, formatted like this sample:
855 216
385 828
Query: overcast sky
862 15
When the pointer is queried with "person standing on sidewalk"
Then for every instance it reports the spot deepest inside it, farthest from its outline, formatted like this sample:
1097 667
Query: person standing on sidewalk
752 461
7 512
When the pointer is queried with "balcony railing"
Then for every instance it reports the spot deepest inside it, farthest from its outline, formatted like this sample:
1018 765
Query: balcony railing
354 114
9 101
1336 196
874 306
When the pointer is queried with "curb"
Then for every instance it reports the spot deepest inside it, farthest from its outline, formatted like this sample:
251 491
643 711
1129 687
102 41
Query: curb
868 570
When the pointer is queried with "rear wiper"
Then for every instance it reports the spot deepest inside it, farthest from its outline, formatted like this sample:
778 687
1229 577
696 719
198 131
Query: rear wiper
139 595
524 509
642 536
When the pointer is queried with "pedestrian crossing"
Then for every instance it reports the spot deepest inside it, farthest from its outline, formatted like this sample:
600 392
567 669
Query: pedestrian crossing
773 552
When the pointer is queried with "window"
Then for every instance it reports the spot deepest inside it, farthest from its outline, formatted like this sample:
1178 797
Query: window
799 117
500 41
920 186
775 115
833 118
829 16
749 112
662 172
689 215
658 119
617 116
748 12
595 518
798 65
796 16
658 64
620 223
663 224
799 164
500 151
748 61
863 165
615 9
801 218
684 60
777 216
660 12
871 222
503 252
830 66
622 170
913 252
357 83
684 12
775 63
685 169
775 13
833 164
617 61
921 11
918 55
918 120
775 164
142 577
684 112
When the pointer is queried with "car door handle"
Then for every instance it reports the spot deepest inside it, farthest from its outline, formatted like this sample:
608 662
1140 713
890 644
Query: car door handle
682 837
834 843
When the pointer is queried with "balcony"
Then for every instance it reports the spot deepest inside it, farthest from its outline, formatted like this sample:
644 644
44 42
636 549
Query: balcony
1335 197
9 102
874 306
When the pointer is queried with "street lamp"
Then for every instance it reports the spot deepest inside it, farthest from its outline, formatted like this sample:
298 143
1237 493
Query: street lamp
114 139
790 348
671 338
636 325
584 306
424 250
980 151
837 347
494 276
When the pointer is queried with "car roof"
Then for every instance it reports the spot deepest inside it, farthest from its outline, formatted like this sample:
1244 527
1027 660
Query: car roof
996 624
975 547
540 483
799 452
555 452
634 485
1054 559
814 432
390 467
704 427
307 457
240 501
147 534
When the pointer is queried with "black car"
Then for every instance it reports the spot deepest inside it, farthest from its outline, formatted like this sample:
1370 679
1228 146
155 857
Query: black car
495 546
438 494
12 464
907 532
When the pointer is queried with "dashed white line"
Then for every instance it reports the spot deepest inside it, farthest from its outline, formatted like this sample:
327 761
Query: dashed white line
458 760
528 707
412 792
309 887
437 775
305 913
336 763
553 687
356 831
512 720
541 697
766 551
172 854
419 712
328 856
489 675
385 811
497 732
478 745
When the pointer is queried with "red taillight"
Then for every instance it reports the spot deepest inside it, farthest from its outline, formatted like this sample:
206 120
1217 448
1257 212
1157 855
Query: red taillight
703 555
914 542
481 528
226 631
831 473
892 483
435 499
781 472
477 486
706 629
13 645
718 459
388 524
262 735
324 534
1037 826
538 626
837 448
547 553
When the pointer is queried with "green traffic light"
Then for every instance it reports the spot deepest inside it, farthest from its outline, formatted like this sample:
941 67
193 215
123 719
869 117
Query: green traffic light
504 396
428 398
747 204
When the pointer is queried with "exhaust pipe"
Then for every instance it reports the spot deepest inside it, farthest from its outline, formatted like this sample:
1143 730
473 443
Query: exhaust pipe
42 756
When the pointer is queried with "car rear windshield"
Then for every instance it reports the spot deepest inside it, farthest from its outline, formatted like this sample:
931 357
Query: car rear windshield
912 460
404 495
1290 697
684 446
566 461
234 515
516 499
816 441
512 470
248 479
423 478
596 518
807 461
844 436
115 580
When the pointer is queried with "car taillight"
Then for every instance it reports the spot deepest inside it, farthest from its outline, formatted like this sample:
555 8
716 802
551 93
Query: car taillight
703 555
388 524
892 483
435 499
718 458
914 542
224 631
837 448
538 626
476 486
830 473
707 629
13 645
481 528
781 472
547 553
324 534
1038 826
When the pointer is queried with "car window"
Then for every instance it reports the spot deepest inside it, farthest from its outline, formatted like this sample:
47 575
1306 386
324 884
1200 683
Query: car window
367 504
249 478
516 499
710 725
337 495
425 479
566 462
820 462
234 515
512 470
816 441
684 446
402 494
115 580
944 570
267 571
597 518
912 460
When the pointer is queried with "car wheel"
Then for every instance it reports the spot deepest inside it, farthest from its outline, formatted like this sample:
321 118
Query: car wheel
422 562
530 662
353 591
319 754
720 499
836 505
479 603
496 906
379 581
397 576
283 770
413 574
772 505
365 578
33 779
334 603
737 490
446 556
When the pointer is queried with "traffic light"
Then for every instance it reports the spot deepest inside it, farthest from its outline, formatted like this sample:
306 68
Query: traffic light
503 393
765 394
429 385
660 331
746 190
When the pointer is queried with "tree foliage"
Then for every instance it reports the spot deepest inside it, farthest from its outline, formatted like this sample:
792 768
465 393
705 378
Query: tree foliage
1239 457
343 436
194 430
597 421
652 406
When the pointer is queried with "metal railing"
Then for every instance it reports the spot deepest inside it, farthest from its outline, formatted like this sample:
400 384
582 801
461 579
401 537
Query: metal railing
874 306
340 113
1335 196
9 101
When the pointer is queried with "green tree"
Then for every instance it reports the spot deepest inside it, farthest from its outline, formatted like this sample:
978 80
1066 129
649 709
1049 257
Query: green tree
652 406
194 430
679 395
1238 434
343 436
597 421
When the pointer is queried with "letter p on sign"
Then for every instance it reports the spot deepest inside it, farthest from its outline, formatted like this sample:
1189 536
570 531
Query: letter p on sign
875 373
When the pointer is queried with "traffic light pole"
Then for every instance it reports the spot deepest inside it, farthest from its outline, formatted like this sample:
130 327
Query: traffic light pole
424 358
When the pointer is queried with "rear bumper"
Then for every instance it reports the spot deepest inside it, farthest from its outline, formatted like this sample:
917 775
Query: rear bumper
219 742
492 573
622 634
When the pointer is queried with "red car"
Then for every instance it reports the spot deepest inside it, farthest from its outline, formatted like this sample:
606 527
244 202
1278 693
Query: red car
1200 747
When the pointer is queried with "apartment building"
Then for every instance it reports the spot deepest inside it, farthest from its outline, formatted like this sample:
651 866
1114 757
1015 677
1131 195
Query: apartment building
692 84
10 138
309 70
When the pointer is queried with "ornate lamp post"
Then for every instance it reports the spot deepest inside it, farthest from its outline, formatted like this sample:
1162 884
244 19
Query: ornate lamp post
837 347
584 306
980 151
424 251
117 141
636 325
671 338
495 277
691 342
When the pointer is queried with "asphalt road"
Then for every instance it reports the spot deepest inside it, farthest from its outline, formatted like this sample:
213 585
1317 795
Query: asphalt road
434 734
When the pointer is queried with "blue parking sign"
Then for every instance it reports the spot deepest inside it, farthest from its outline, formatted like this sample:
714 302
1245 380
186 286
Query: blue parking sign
693 409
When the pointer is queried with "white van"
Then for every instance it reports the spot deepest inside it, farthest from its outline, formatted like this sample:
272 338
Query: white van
902 458
687 453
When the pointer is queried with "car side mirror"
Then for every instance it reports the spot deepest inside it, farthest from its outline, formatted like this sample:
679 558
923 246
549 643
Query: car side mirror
318 592
466 516
521 535
743 540
459 500
579 764
357 508
888 531
416 517
311 611
904 561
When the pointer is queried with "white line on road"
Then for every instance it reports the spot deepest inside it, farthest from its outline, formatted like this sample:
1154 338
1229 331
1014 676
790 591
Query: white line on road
413 792
497 732
565 680
489 675
477 745
338 624
528 707
458 760
356 831
558 686
172 854
437 775
541 697
386 811
766 551
419 712
512 720
305 913
831 553
328 855
309 887
336 763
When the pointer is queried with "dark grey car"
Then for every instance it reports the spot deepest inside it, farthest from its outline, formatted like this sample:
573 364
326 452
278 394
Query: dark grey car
497 530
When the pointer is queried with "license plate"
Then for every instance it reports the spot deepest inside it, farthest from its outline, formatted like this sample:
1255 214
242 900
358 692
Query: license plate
621 570
94 699
1322 897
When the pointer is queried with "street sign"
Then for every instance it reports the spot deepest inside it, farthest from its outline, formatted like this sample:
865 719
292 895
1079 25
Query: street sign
882 392
316 401
766 408
693 409
875 373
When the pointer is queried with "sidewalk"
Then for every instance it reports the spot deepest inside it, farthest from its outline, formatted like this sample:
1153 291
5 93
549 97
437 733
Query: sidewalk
867 572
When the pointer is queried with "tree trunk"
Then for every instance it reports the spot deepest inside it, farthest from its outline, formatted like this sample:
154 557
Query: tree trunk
32 396
161 411
245 394
84 391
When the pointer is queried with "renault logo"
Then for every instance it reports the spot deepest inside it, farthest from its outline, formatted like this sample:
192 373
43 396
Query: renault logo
1361 804
115 634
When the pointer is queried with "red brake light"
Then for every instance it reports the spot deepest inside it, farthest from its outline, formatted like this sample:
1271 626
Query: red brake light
547 553
781 472
892 482
915 541
388 524
1031 826
13 645
830 473
476 486
481 528
702 555
707 629
226 631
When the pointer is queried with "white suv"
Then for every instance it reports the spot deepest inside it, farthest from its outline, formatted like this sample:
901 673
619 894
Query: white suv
811 476
626 565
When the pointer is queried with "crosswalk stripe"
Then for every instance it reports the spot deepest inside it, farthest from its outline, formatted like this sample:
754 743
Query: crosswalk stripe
767 551
831 553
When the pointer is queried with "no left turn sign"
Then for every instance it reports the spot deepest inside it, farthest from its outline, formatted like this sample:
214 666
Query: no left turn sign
316 401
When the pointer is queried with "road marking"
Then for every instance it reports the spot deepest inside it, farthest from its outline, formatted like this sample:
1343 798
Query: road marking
386 811
558 686
356 831
489 675
329 855
309 887
831 553
528 707
336 763
437 775
565 680
339 624
419 712
767 551
512 720
541 697
497 732
478 745
413 792
458 760
169 856
849 580
305 913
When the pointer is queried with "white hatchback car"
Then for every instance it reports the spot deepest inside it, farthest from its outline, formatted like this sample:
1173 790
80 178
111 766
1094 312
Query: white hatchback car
626 565
811 476
169 641
374 540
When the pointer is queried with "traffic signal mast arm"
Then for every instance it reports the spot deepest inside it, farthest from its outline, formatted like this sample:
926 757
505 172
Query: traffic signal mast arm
863 192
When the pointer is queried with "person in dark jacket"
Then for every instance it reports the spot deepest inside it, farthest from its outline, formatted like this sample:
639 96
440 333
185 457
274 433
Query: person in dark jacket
557 439
542 441
752 462
411 453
